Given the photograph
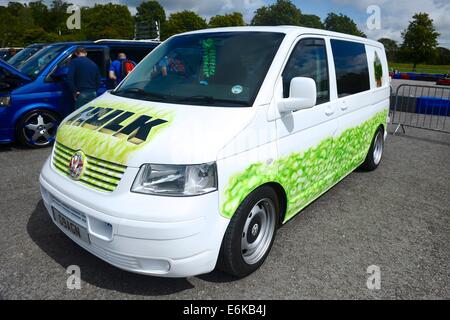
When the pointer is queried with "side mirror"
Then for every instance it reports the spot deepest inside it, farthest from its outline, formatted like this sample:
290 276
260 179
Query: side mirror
60 73
302 95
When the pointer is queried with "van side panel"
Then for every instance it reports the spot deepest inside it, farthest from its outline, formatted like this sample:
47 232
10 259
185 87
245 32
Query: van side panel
314 163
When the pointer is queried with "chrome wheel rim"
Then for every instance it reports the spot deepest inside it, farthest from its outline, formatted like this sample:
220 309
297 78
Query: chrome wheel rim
258 231
40 128
378 148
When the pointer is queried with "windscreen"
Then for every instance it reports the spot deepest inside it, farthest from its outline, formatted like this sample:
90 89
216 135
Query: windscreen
214 69
39 61
23 56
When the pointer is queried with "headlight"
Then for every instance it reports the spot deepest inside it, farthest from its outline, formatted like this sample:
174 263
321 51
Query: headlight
5 101
176 180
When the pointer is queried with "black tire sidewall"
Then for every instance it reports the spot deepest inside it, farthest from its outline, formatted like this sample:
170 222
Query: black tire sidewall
369 164
232 258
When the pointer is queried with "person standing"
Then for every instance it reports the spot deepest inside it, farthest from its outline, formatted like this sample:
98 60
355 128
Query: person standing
120 68
83 78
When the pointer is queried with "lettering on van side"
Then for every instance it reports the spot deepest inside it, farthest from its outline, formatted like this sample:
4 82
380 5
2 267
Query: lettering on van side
109 121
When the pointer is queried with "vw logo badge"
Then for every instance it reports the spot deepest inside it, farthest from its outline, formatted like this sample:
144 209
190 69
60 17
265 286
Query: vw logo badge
77 165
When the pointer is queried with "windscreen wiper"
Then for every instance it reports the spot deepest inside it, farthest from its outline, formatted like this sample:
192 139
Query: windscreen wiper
142 92
210 100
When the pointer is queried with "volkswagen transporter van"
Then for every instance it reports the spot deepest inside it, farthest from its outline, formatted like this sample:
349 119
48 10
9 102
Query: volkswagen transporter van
216 139
34 95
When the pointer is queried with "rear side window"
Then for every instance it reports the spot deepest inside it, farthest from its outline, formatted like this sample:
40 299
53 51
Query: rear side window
352 70
309 59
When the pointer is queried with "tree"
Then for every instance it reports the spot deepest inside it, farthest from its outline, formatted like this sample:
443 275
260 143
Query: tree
38 35
311 21
419 39
443 56
182 22
391 48
111 21
14 21
6 21
342 23
283 12
228 20
40 13
57 17
149 12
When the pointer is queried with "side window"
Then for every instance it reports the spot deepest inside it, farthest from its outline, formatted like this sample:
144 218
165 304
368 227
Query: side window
352 70
309 59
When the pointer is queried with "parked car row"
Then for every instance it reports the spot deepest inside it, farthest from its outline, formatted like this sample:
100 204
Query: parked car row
34 96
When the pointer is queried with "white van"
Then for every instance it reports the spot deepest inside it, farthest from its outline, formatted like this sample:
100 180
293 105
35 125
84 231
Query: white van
216 139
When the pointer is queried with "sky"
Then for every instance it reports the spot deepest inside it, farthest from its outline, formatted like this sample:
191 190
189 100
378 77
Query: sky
395 14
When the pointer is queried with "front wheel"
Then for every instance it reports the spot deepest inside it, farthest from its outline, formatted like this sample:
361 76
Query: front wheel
375 154
250 234
37 128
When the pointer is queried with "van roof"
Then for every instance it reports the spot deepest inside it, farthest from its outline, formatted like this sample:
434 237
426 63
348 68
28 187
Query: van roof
292 30
107 42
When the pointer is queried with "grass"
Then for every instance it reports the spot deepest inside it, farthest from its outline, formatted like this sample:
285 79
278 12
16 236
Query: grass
421 68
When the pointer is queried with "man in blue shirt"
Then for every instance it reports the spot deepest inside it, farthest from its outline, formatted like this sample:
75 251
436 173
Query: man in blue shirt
120 68
83 78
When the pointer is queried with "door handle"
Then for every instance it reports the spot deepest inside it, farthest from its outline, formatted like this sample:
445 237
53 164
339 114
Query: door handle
344 106
329 111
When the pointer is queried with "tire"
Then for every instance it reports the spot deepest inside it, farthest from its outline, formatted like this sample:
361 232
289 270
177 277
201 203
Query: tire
250 234
37 128
373 158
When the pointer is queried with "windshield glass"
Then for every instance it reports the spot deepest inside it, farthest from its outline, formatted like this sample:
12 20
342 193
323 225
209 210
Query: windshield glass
22 56
38 62
215 69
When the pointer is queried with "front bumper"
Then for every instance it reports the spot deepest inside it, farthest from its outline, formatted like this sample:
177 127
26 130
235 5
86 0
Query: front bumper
163 236
6 130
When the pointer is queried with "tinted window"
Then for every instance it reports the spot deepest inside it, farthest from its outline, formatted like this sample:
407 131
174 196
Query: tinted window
135 54
309 59
352 70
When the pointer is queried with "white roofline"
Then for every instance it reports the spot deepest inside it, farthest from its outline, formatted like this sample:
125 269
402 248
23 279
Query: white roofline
287 29
124 40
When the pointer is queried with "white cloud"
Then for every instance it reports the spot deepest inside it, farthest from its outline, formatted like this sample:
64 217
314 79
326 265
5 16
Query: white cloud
395 16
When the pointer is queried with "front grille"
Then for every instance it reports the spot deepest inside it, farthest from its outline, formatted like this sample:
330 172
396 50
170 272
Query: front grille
99 174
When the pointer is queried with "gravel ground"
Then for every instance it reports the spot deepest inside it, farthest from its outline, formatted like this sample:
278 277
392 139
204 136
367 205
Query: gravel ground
397 218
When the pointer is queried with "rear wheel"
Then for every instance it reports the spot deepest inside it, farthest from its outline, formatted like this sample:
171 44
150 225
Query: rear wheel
375 154
250 234
37 128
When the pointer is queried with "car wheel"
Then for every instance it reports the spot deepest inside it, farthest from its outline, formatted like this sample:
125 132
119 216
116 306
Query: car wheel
250 234
375 154
37 129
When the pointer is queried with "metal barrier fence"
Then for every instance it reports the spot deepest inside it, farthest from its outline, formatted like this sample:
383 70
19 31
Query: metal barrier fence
418 106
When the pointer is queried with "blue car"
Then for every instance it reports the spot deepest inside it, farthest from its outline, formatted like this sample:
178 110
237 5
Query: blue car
34 97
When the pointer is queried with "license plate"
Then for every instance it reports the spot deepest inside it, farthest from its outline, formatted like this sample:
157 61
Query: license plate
72 227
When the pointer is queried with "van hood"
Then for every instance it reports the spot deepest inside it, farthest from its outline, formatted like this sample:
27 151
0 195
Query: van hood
133 132
15 72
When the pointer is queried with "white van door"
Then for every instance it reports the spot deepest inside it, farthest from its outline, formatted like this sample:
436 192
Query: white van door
305 137
358 103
